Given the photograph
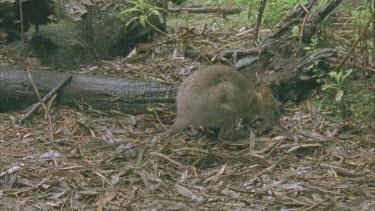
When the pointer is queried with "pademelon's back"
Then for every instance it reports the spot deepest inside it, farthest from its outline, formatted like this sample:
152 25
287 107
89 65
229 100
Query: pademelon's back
214 75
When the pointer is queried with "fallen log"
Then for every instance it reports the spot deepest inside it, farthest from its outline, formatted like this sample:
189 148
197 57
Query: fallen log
121 94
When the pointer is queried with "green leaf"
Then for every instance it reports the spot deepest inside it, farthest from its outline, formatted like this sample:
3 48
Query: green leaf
339 95
332 74
130 10
131 20
339 78
295 32
155 12
143 18
347 74
328 86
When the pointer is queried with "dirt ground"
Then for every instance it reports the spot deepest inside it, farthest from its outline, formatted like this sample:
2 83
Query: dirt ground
109 160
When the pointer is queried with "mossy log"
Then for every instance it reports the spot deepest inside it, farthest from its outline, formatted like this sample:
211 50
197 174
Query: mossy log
16 91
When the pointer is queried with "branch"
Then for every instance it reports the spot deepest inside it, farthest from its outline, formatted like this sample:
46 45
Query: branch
315 19
26 67
259 18
52 92
364 29
290 20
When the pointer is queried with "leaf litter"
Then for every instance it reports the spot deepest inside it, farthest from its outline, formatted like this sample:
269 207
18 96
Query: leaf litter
107 162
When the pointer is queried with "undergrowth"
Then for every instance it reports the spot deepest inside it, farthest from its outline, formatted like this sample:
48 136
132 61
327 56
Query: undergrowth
357 103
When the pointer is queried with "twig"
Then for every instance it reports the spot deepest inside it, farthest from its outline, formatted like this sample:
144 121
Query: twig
167 158
246 52
364 29
23 190
156 28
268 169
316 205
52 92
26 67
350 64
159 119
304 21
278 144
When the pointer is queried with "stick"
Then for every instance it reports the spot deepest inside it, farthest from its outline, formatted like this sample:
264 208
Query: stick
52 92
365 28
304 21
26 67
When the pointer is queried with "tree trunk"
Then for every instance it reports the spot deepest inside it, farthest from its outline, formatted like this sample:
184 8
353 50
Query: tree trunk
17 93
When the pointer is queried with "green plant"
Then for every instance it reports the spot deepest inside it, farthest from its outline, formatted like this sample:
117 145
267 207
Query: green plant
144 9
333 81
295 32
313 45
339 79
361 14
318 73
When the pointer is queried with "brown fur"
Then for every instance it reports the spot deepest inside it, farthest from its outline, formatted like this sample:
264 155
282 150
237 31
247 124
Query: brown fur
217 96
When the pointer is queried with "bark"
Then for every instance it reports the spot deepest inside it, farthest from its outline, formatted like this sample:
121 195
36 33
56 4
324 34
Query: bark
17 93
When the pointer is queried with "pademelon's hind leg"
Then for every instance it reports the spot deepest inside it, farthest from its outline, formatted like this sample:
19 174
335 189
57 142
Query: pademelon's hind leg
227 109
227 127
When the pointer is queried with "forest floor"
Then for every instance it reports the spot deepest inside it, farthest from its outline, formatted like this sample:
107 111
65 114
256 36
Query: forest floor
108 160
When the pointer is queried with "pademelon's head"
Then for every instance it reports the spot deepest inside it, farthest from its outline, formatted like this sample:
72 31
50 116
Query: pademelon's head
270 107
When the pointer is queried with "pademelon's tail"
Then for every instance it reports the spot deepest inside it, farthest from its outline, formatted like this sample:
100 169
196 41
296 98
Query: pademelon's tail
174 129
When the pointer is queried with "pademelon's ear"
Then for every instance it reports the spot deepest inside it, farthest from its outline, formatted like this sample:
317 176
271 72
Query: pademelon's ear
266 91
